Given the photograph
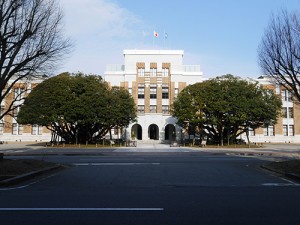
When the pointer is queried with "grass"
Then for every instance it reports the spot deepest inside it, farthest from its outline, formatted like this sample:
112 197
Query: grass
290 166
11 168
233 146
83 146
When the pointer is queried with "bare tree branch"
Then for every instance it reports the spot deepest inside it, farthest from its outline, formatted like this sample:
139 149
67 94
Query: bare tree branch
279 51
31 42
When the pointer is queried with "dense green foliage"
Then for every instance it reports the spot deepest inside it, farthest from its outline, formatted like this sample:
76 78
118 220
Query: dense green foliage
225 107
78 108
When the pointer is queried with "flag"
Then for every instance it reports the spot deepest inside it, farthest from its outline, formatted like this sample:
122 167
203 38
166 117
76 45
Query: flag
166 35
155 34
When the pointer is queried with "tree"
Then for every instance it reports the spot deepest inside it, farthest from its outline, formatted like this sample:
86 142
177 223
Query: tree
279 51
31 43
225 107
78 108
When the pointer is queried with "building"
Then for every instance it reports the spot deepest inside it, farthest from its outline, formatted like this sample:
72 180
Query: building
287 128
154 78
10 130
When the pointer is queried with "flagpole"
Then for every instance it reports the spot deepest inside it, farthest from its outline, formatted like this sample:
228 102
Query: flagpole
164 39
153 40
153 36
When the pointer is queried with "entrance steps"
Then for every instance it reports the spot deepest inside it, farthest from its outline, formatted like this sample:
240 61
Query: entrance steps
152 144
150 141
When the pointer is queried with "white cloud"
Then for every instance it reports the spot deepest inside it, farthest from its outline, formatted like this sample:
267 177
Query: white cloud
98 17
100 31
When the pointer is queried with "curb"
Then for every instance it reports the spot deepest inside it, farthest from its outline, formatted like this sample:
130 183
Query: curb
27 176
289 175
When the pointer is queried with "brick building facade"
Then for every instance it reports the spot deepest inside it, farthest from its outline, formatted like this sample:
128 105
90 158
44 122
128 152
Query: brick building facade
10 130
154 78
287 128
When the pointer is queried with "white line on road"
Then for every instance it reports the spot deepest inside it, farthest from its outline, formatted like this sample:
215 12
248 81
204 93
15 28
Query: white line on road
27 185
279 184
289 181
81 209
113 164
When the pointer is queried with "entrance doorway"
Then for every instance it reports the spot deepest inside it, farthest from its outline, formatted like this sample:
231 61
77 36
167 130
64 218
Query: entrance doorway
170 132
136 131
153 132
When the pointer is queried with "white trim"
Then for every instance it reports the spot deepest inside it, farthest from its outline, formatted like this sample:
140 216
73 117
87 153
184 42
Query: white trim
153 52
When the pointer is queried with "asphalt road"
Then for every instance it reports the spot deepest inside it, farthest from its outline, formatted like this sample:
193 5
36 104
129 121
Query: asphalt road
157 188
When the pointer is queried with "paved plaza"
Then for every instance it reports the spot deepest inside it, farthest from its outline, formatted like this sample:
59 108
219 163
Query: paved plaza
274 150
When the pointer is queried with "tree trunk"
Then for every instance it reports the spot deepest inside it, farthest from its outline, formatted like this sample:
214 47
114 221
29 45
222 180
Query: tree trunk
247 135
221 138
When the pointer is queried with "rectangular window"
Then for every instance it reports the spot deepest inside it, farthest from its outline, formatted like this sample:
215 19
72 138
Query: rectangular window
1 128
141 72
165 109
165 72
291 130
141 109
291 112
141 91
1 113
289 96
153 108
165 91
2 110
14 128
153 72
20 129
37 130
285 130
19 94
269 130
251 132
286 96
176 92
153 92
17 129
284 112
34 129
15 112
40 130
283 95
266 131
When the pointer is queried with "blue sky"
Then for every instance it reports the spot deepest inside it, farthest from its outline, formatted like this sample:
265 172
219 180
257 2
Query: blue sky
222 36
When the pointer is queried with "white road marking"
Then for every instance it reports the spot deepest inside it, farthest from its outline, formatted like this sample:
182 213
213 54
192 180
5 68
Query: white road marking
279 184
113 164
81 209
289 181
27 185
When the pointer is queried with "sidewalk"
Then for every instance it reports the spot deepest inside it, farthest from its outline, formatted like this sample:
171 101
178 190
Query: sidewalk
276 150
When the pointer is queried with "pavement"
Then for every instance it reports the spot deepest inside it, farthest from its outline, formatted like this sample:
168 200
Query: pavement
32 148
269 152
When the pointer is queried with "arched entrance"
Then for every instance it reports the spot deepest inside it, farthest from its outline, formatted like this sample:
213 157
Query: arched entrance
136 131
153 132
170 132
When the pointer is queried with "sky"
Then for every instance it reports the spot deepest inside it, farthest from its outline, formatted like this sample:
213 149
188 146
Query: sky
222 36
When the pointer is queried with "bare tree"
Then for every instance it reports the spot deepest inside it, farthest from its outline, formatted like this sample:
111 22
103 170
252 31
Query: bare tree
31 43
279 51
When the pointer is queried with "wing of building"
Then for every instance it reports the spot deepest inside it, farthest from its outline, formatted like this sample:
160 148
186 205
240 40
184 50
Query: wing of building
154 78
10 130
287 128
